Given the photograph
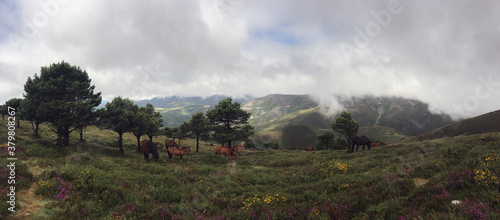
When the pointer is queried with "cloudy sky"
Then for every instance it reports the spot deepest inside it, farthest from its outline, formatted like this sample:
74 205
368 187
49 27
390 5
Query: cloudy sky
445 53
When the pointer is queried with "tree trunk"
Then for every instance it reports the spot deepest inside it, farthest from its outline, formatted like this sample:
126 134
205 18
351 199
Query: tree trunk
34 126
197 141
120 140
229 143
349 143
81 135
138 143
62 137
18 123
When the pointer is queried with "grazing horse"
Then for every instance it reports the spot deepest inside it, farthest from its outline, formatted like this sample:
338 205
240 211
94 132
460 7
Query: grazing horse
244 145
363 140
309 148
225 150
171 143
238 149
177 152
187 149
147 148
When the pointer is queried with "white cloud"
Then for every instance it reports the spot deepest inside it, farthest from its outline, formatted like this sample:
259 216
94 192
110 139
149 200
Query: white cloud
433 51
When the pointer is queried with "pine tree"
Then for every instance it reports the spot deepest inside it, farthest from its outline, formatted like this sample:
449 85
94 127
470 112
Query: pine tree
229 122
62 96
347 127
199 126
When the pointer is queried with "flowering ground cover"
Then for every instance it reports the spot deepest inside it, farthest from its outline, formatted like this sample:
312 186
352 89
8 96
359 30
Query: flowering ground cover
403 181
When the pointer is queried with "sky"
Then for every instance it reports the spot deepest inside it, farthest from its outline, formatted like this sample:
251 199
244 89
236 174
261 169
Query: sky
445 53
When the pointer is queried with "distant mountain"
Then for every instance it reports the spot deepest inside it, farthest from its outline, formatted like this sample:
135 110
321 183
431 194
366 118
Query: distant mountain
176 109
276 111
388 119
409 116
485 123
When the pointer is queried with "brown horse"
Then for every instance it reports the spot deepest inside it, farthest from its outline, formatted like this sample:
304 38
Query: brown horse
171 143
309 148
177 152
147 148
225 150
187 149
238 149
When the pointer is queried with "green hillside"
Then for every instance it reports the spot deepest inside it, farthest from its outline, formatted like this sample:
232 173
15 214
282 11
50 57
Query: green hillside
489 122
417 180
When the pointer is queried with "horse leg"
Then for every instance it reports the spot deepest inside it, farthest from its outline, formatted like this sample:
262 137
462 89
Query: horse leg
146 156
181 158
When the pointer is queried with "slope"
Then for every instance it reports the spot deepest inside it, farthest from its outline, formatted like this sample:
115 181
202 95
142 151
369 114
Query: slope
485 123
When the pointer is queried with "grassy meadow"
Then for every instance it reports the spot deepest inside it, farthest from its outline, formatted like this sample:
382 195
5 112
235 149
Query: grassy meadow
93 180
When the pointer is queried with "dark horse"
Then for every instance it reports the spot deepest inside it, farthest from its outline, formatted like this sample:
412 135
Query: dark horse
363 140
147 148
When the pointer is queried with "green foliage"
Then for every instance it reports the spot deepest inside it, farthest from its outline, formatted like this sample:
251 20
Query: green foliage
326 141
346 126
16 104
388 182
229 122
118 115
63 96
199 125
271 145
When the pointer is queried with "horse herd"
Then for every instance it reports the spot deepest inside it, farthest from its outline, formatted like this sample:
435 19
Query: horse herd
173 149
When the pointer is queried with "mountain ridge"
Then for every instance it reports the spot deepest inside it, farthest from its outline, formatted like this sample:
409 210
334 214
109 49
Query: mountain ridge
408 117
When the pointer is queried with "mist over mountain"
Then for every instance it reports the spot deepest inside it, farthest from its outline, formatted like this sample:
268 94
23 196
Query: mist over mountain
277 111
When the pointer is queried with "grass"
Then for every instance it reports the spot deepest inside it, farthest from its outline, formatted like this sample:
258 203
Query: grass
406 181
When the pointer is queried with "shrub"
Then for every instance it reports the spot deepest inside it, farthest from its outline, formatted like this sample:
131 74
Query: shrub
333 167
488 169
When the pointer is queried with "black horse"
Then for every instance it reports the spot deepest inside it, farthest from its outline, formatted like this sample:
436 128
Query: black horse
363 140
149 148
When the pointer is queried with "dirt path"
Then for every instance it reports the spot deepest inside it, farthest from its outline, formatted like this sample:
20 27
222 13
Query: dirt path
27 201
